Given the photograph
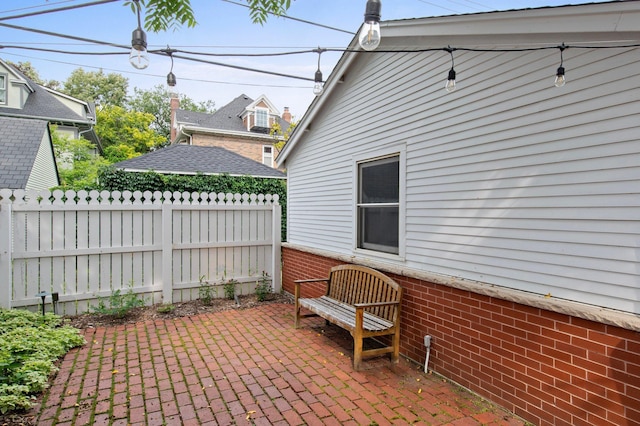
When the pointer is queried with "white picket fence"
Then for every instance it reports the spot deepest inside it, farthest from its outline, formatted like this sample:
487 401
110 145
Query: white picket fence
164 246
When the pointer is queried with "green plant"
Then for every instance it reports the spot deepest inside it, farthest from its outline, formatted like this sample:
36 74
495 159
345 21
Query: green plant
165 309
119 303
263 287
206 292
229 288
30 343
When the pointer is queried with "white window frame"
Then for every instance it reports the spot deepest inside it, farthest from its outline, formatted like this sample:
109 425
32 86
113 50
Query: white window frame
3 88
266 155
266 115
375 155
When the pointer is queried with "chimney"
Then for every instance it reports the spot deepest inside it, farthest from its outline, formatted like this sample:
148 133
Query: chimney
286 115
174 105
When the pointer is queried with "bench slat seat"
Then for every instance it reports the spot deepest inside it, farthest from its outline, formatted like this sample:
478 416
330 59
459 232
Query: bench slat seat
361 300
344 315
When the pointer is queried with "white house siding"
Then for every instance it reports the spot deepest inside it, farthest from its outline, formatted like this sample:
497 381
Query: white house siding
510 180
43 174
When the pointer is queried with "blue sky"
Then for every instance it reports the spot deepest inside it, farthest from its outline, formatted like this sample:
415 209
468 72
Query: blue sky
223 27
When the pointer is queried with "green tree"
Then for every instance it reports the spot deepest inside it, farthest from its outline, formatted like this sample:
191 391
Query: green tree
98 87
27 69
169 14
115 126
78 165
157 102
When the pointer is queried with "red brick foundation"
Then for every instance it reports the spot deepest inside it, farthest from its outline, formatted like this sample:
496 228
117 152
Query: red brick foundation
546 367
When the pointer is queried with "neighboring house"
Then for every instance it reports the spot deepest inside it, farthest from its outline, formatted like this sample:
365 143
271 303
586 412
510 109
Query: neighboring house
26 155
191 160
241 126
509 210
23 98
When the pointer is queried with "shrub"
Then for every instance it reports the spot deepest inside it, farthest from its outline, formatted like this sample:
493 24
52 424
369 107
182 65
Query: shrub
119 303
229 288
29 345
263 287
206 292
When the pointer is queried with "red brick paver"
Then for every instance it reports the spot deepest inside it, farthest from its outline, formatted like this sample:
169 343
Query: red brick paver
246 367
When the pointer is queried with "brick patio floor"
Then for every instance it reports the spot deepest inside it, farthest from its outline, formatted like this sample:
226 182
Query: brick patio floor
246 367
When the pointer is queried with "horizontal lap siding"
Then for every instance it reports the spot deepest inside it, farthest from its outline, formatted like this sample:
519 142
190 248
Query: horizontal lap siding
534 188
509 180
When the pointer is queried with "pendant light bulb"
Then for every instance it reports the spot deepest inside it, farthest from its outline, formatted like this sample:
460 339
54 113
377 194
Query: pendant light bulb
369 36
138 57
560 78
318 87
450 85
171 77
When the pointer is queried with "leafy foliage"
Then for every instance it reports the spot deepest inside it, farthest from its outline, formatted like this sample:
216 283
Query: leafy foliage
161 15
157 101
115 125
98 87
263 287
119 304
229 288
77 164
29 345
112 179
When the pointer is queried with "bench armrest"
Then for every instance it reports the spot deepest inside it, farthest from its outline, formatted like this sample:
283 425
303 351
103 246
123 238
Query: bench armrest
374 304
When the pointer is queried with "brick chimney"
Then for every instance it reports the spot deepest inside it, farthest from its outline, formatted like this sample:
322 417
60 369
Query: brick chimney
286 115
174 105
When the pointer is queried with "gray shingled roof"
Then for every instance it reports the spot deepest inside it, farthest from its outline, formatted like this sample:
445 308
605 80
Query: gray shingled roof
42 104
188 159
20 140
226 118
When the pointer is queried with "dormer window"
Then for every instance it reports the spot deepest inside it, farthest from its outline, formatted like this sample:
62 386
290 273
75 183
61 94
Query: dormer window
262 117
3 88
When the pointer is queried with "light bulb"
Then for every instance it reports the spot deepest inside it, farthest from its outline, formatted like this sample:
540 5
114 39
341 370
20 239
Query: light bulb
450 85
318 88
560 78
139 58
369 37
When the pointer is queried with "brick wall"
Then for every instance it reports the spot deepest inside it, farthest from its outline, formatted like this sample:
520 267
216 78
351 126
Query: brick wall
548 368
247 148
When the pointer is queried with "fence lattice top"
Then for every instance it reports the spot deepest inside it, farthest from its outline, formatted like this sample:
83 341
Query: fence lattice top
59 197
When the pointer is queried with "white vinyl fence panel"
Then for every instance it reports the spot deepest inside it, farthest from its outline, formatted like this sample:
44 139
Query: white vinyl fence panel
163 246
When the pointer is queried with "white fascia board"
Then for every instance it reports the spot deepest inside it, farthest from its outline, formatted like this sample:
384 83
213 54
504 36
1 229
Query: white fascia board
190 130
606 22
62 95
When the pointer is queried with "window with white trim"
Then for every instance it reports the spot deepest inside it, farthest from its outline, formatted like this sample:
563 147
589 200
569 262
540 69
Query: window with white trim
267 155
262 117
378 204
3 88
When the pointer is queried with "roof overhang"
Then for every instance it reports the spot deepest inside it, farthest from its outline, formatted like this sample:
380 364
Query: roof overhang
190 130
173 172
606 22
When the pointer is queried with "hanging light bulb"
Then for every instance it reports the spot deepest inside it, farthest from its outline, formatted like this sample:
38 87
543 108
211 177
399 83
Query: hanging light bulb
171 77
138 56
369 37
560 78
318 87
450 85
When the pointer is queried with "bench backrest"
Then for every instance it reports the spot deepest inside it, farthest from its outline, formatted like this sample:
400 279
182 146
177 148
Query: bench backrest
353 284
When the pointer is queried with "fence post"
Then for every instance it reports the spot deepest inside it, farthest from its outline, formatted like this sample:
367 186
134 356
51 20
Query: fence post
276 258
167 254
6 256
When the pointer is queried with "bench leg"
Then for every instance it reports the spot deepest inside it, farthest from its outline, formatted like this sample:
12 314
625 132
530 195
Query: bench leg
395 342
357 339
296 320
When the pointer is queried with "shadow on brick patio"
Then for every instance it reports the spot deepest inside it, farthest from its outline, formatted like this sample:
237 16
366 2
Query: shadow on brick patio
246 367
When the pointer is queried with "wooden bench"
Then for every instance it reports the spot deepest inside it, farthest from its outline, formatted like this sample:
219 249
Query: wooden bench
361 300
